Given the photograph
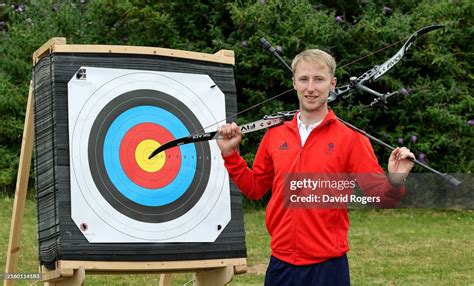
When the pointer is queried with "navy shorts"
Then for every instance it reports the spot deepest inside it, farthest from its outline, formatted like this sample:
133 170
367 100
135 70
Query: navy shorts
334 271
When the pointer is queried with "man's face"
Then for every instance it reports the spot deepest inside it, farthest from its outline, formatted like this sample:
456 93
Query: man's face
313 82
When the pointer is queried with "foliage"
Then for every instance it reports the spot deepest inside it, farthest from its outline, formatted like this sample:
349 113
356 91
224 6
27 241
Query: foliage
436 71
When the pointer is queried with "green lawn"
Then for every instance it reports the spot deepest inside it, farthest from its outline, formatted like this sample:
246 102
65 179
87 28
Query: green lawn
388 247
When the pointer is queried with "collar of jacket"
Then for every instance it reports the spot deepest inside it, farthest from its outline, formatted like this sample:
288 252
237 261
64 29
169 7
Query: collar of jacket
330 118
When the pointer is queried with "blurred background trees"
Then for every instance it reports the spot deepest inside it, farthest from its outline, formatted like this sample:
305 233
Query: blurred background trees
434 117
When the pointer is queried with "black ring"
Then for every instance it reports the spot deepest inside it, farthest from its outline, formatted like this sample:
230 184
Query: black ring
151 214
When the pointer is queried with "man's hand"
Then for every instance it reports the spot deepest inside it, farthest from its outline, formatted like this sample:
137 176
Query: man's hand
230 136
399 166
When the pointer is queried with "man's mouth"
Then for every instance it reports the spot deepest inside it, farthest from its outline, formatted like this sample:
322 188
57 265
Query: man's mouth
311 97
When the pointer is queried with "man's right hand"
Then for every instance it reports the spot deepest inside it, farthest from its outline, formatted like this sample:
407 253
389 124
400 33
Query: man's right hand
229 138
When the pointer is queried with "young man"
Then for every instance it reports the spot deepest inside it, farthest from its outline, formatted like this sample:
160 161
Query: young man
309 245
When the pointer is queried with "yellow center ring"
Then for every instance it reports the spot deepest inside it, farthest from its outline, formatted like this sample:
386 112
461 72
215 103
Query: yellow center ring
143 150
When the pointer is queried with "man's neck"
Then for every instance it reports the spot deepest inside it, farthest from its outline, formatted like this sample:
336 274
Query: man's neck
311 117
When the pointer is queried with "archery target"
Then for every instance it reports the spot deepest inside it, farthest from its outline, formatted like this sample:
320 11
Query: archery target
117 117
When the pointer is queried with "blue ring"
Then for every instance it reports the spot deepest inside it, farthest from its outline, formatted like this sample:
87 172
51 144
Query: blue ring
132 191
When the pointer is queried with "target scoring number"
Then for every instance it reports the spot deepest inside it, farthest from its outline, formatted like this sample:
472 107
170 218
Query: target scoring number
117 117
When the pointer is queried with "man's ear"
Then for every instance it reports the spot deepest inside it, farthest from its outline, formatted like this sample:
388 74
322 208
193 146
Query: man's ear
293 78
333 83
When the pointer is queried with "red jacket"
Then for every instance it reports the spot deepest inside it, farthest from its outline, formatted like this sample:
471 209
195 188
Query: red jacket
303 236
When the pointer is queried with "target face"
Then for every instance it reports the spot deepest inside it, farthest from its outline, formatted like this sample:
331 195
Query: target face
116 119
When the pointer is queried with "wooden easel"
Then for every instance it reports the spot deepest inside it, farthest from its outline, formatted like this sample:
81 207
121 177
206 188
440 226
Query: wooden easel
68 272
206 272
20 191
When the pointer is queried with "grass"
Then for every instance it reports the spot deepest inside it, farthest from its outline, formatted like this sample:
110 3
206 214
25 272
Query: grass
388 247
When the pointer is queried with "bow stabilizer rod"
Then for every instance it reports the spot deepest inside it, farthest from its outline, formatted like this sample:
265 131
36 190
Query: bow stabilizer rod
268 47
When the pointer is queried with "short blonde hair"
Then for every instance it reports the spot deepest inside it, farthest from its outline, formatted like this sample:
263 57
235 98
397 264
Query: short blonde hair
316 56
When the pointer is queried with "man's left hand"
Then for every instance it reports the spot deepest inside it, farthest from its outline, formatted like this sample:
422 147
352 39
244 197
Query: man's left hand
399 166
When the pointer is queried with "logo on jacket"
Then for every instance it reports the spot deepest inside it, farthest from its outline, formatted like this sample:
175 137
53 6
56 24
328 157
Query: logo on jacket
330 148
284 146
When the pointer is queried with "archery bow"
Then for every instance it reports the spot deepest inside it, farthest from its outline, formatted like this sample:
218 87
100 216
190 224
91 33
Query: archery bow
356 83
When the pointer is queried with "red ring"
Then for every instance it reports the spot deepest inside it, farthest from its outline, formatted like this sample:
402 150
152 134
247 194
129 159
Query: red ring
149 180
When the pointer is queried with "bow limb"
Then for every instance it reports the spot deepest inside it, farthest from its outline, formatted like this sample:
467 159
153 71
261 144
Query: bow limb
357 83
383 68
266 122
198 137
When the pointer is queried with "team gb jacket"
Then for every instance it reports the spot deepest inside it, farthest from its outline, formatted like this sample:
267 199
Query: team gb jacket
303 236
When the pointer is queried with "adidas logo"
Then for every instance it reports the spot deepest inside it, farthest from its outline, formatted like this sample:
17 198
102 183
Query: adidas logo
284 146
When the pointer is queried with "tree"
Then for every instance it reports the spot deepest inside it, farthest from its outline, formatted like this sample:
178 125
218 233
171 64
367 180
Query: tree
434 117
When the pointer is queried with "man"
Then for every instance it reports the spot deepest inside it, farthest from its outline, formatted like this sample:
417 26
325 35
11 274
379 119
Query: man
309 245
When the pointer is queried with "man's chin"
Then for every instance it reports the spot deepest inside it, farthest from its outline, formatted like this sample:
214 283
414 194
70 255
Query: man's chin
313 107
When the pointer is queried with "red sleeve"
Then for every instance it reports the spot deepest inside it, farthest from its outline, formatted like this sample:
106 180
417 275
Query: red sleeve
255 182
370 176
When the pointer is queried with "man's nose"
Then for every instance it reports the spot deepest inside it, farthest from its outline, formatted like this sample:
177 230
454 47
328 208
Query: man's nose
311 85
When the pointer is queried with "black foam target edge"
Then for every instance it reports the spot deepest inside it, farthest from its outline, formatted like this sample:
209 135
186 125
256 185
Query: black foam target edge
59 237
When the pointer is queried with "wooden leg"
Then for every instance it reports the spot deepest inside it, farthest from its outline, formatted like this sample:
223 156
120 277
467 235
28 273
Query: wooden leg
69 277
20 191
165 279
214 277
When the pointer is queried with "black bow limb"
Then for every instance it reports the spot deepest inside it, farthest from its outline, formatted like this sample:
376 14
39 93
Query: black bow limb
268 121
